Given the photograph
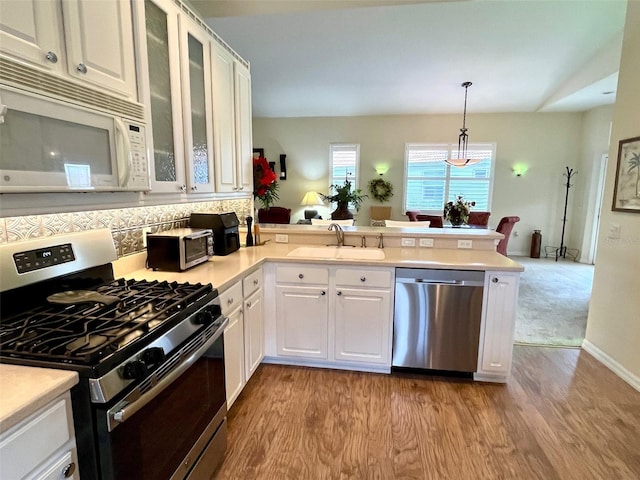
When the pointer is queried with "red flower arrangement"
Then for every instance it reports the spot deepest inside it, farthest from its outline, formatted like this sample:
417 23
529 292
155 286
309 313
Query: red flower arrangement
265 187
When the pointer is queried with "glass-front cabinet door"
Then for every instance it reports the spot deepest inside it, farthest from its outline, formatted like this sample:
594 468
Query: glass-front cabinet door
164 99
195 52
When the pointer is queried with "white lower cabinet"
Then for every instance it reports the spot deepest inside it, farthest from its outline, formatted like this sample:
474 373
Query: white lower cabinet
337 316
41 447
243 303
253 332
302 321
498 323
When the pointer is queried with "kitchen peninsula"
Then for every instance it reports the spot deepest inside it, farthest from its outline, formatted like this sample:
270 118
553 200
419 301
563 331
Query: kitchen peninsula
292 309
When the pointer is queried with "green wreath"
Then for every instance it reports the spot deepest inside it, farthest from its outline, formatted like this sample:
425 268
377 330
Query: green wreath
380 189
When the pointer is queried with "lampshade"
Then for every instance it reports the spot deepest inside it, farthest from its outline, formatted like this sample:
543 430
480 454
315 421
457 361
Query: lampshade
311 198
462 159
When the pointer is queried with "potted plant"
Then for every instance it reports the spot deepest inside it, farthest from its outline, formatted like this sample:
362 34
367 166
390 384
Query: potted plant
458 212
344 196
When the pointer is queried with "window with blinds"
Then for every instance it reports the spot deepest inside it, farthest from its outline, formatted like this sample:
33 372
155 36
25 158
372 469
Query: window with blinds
345 159
430 182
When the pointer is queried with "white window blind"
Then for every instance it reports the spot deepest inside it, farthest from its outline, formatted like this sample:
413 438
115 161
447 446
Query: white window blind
430 182
345 159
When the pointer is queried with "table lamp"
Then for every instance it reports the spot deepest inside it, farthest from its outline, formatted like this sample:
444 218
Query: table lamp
311 199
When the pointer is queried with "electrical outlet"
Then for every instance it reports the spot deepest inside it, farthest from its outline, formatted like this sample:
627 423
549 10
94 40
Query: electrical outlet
426 242
145 230
465 243
614 231
282 238
408 242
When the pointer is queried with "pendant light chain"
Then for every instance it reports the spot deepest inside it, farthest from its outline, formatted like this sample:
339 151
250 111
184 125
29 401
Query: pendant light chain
463 138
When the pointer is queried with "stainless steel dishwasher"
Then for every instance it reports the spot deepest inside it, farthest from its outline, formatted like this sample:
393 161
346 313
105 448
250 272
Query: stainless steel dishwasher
436 321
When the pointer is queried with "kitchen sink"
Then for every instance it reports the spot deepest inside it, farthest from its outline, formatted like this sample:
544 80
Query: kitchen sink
348 253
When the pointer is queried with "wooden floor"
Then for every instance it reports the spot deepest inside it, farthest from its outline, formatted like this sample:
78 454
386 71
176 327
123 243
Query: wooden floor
561 416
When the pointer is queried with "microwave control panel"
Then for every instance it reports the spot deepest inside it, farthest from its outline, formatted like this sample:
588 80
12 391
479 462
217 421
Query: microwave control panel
139 177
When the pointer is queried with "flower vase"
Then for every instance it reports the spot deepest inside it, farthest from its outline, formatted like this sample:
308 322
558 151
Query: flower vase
342 212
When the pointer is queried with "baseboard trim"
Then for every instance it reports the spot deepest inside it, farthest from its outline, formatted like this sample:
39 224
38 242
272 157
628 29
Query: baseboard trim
612 364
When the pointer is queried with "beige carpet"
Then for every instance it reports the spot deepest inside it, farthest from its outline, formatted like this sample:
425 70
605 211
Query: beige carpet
553 302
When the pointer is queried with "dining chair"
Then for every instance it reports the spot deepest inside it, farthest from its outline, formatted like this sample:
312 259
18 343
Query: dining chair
504 227
412 214
435 221
480 219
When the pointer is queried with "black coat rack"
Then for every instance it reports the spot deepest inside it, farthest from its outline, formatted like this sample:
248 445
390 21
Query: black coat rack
562 250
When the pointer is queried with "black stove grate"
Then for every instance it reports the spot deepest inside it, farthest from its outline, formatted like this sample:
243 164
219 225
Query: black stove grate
85 333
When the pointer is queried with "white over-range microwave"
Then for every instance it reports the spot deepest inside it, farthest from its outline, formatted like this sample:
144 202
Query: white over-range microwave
48 145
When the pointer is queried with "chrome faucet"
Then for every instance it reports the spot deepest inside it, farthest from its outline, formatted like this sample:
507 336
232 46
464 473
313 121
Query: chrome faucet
380 241
339 233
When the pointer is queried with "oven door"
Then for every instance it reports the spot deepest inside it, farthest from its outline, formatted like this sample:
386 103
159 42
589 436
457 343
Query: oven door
163 435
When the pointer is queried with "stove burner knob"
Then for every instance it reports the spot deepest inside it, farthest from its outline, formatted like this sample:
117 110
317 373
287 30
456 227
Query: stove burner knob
134 370
153 356
203 317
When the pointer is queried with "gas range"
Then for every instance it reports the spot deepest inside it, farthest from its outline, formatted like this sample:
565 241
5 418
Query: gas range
129 340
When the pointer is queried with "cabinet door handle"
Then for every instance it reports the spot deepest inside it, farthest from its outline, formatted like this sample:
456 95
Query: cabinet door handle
339 294
495 280
300 276
323 292
248 304
69 470
183 188
363 279
194 188
255 282
229 301
82 68
52 57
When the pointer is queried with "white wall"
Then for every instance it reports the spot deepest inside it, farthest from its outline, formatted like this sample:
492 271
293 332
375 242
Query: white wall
546 142
613 326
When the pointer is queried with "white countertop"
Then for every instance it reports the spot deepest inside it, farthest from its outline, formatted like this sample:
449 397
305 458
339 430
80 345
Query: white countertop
222 271
23 390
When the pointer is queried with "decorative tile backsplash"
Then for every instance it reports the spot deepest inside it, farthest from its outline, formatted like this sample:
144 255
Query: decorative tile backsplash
126 224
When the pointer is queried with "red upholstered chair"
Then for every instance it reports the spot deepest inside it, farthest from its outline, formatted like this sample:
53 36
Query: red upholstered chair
412 214
436 220
504 227
479 218
274 215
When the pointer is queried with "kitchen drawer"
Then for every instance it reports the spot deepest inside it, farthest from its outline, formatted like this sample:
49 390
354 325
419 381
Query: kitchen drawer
302 275
252 282
61 468
36 438
231 298
360 277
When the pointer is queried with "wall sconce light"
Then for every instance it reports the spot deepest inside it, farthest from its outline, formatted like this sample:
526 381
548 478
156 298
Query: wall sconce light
519 170
311 199
381 169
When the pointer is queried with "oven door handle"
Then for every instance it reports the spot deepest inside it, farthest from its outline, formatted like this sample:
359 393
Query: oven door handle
123 414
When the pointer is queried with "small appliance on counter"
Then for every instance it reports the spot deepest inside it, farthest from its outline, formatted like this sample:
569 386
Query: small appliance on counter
179 249
226 238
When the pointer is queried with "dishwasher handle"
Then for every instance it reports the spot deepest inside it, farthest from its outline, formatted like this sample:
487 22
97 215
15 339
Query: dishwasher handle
450 283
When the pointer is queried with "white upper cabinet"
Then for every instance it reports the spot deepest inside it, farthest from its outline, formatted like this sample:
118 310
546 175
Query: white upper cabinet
160 82
195 52
70 37
224 119
244 134
99 40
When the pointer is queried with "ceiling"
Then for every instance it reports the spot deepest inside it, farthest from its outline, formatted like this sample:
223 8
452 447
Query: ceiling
347 58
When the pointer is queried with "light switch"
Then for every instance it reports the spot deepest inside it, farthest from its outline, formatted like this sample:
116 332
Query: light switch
282 238
614 231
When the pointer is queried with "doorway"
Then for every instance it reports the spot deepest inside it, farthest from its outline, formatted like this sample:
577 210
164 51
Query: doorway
599 193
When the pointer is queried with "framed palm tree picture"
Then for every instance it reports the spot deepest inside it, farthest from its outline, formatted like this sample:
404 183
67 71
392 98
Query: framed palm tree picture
626 193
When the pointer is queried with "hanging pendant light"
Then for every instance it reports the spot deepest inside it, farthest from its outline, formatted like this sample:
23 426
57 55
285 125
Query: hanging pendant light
462 160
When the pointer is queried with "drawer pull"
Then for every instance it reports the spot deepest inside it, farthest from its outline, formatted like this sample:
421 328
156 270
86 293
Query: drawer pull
339 294
323 292
69 470
363 279
300 276
495 280
82 68
229 301
52 57
255 281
